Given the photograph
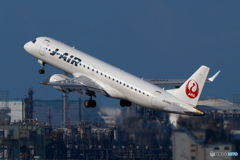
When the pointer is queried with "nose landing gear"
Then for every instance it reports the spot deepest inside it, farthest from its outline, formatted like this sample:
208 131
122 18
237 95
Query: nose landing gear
41 71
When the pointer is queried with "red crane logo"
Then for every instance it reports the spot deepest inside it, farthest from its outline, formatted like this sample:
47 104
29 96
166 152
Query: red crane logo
192 89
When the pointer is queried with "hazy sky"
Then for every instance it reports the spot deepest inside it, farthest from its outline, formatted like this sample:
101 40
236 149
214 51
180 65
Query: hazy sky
151 39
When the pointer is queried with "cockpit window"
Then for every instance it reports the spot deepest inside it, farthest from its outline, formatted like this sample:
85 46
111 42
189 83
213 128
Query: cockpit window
34 41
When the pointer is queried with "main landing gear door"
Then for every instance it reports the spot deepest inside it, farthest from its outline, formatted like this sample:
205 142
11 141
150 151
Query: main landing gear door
154 98
44 47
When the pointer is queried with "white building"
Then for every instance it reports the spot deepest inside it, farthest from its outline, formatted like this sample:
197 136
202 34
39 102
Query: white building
16 108
190 145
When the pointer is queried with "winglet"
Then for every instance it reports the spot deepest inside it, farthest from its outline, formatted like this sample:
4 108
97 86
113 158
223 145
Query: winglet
213 77
46 80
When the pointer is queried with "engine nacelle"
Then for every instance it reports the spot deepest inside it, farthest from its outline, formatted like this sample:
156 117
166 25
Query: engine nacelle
58 77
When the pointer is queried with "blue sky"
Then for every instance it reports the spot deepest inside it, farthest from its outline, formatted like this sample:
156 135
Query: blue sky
151 39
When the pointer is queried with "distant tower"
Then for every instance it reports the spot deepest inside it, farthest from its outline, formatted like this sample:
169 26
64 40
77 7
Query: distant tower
30 97
80 111
65 109
49 117
28 105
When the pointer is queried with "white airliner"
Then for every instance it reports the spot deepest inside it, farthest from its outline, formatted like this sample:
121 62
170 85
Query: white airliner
95 76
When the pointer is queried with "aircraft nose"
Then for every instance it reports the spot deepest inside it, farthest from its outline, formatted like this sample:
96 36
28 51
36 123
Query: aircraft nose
26 46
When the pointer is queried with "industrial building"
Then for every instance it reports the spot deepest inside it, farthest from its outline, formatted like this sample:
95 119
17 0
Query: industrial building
63 129
85 140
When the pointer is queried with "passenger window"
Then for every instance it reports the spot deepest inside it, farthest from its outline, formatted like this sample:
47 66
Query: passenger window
113 79
120 82
143 93
96 71
127 85
131 87
101 73
80 64
109 77
88 67
92 69
135 89
124 84
116 80
139 91
105 75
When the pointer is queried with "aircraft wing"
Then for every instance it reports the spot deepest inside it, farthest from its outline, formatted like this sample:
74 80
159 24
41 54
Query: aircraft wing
75 84
206 108
174 82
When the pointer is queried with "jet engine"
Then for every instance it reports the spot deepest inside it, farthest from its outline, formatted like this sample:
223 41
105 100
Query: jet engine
58 77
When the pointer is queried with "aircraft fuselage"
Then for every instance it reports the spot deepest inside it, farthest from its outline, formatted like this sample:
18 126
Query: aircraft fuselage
116 82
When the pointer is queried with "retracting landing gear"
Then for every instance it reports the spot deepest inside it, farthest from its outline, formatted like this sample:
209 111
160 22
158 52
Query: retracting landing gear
41 71
125 103
90 103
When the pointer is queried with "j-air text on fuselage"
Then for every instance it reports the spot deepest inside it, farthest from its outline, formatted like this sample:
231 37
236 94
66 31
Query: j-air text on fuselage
95 76
70 59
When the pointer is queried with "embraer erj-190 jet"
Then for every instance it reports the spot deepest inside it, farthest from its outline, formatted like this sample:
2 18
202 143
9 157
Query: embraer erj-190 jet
95 76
